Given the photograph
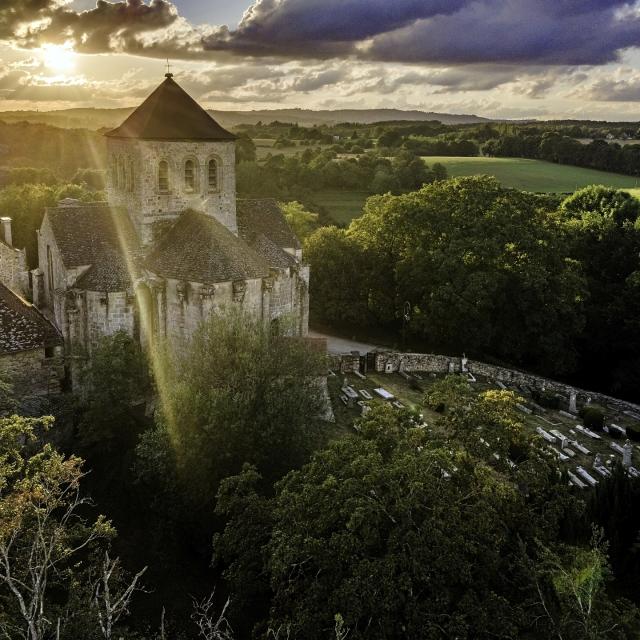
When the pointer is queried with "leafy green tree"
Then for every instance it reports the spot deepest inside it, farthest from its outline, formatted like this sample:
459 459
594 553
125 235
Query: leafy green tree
571 584
236 393
604 235
338 287
401 531
245 149
301 221
483 267
116 386
447 392
26 204
44 537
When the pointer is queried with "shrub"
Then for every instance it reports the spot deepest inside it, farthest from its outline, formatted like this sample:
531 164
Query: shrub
593 417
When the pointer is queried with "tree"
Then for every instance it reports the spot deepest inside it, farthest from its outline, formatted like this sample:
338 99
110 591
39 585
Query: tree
402 531
446 392
43 535
571 590
236 393
338 287
603 234
483 267
245 149
301 221
26 205
112 596
116 384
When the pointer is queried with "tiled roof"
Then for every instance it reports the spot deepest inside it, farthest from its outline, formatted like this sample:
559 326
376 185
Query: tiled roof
272 253
170 113
22 327
264 217
97 236
198 248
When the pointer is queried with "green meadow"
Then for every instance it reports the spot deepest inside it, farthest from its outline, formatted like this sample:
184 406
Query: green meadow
533 175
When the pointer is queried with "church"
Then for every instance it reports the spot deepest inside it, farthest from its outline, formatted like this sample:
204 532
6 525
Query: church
172 244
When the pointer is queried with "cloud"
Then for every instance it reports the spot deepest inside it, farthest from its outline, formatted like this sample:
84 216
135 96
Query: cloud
622 85
433 32
109 26
549 32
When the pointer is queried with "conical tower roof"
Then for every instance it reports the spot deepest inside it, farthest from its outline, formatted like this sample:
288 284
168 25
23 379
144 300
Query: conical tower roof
170 113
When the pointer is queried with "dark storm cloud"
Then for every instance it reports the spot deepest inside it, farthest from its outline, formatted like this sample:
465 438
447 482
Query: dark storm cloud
520 31
547 32
321 27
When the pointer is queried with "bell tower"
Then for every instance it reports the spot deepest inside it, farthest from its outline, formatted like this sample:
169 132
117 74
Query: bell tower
168 156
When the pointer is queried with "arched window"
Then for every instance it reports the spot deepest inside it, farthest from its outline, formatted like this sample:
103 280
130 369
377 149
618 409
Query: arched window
50 281
122 174
190 175
114 172
131 178
163 176
212 175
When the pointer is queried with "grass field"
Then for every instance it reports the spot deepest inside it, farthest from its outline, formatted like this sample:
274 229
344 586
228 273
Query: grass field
342 206
533 175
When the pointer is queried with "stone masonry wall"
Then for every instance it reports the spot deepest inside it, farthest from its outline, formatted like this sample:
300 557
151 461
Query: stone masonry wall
147 205
183 306
430 363
31 373
13 269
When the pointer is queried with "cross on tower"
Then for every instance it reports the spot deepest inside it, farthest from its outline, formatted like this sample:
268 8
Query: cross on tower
168 74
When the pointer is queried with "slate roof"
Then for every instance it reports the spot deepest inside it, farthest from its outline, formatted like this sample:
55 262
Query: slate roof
22 327
170 113
198 248
265 217
97 236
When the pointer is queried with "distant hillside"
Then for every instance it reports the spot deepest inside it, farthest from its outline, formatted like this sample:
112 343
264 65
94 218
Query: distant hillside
100 118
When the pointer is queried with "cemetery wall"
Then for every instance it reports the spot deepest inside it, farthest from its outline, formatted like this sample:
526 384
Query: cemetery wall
430 363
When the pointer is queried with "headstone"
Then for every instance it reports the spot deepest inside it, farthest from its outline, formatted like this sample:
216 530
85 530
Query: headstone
597 461
573 402
627 454
452 367
464 363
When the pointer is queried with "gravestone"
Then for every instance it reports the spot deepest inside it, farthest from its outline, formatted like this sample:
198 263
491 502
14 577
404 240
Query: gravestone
573 405
627 454
464 362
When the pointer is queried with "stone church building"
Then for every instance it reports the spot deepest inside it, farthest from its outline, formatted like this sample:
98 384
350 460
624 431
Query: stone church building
172 244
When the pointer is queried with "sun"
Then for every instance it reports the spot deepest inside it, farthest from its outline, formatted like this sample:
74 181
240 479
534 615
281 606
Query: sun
58 58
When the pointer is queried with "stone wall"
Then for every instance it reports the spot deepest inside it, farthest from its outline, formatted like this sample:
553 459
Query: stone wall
147 206
387 361
31 373
58 279
13 269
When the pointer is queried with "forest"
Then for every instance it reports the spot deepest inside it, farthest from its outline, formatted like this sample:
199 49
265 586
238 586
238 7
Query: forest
208 518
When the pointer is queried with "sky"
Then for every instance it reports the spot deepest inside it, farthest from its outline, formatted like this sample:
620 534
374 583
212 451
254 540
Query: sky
495 58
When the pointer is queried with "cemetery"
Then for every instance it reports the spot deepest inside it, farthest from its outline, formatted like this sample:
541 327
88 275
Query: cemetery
587 454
